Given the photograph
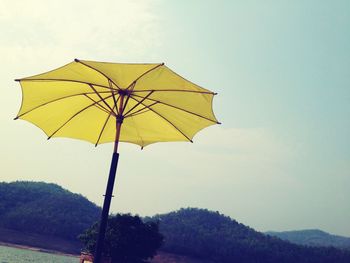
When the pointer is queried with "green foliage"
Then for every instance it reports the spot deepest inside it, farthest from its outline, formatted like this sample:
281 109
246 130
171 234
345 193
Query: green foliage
128 239
313 237
210 235
43 208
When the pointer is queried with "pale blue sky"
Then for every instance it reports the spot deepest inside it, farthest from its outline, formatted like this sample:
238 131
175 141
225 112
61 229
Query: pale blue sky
281 158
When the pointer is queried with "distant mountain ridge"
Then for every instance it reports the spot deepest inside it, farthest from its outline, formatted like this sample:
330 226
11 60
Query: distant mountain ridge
312 237
212 236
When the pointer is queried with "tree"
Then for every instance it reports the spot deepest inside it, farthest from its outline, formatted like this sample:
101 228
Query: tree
128 239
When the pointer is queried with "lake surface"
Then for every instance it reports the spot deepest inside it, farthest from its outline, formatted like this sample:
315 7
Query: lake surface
17 255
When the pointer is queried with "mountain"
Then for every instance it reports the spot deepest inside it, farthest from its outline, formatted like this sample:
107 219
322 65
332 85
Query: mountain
47 209
313 237
200 233
36 213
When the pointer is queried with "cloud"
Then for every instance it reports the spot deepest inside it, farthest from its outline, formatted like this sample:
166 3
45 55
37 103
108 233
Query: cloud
223 167
220 148
66 29
38 35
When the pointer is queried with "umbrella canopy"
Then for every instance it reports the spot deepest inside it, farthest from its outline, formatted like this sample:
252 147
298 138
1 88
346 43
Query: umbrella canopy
104 102
81 100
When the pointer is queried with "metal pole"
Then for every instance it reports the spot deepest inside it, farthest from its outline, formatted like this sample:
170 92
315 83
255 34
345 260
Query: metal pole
110 185
105 210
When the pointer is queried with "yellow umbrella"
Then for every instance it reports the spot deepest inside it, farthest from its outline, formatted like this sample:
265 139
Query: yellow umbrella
104 102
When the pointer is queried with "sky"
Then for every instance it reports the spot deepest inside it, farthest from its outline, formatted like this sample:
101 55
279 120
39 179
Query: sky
279 161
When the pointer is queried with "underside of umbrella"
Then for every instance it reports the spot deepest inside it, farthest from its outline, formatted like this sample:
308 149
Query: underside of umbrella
80 100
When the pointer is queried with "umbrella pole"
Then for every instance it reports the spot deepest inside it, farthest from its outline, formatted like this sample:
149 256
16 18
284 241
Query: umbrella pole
109 189
106 205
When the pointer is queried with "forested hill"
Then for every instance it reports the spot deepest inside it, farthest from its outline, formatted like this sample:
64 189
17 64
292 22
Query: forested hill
50 210
42 208
313 237
210 235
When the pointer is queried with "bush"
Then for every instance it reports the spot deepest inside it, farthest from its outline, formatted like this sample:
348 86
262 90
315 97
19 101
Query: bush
128 239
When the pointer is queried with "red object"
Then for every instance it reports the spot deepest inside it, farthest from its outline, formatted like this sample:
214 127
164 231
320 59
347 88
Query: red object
89 258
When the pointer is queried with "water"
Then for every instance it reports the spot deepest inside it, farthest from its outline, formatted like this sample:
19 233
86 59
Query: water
16 255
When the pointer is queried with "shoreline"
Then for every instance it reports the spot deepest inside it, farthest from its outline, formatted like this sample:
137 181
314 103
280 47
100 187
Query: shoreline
37 249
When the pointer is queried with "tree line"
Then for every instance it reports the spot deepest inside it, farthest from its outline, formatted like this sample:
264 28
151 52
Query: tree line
47 209
51 210
210 235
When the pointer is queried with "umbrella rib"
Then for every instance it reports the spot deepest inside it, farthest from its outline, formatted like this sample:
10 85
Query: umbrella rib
46 103
103 74
66 80
115 101
103 128
132 85
175 107
102 99
172 124
76 114
138 133
148 71
98 105
175 90
109 115
137 104
139 111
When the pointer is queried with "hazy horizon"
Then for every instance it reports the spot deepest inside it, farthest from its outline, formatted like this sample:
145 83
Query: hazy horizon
281 158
